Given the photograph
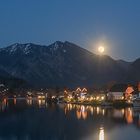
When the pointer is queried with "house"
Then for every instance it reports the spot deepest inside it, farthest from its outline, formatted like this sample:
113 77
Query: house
120 92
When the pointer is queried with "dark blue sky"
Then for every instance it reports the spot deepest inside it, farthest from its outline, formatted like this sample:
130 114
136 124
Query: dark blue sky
88 23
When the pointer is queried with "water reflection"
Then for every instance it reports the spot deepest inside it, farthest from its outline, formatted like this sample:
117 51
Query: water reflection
41 103
15 101
129 115
101 133
82 112
34 119
126 115
3 105
29 102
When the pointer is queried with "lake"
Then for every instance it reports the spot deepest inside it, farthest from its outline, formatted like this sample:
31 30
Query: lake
26 119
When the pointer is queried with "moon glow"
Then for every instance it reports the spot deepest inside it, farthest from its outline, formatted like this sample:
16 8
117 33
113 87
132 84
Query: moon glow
101 49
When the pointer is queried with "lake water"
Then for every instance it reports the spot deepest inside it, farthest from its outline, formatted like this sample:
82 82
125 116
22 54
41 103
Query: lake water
37 120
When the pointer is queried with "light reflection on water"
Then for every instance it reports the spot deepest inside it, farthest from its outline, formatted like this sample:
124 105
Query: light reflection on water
82 112
66 121
101 133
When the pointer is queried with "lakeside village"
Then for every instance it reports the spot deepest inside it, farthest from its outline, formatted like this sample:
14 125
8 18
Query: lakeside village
119 95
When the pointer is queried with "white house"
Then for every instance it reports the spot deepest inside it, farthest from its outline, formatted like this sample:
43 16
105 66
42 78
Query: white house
117 92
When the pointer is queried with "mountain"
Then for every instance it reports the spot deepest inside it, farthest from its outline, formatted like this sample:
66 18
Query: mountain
62 64
12 82
136 69
124 64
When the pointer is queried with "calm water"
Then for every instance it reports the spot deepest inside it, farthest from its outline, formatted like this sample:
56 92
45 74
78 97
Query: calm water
37 120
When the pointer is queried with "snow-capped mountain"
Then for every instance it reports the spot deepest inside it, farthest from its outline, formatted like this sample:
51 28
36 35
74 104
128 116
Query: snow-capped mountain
62 64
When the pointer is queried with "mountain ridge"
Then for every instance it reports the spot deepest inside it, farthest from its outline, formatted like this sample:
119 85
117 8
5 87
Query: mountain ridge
64 64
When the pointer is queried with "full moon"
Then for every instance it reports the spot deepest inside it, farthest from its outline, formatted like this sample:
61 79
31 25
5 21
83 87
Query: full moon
101 49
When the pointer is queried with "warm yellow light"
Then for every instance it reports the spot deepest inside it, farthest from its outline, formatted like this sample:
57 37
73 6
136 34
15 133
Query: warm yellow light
102 97
97 98
91 98
101 49
122 97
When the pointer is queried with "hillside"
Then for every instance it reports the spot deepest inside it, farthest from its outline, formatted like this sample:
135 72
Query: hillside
63 64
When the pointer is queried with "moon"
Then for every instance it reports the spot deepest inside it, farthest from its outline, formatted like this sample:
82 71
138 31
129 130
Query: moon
101 49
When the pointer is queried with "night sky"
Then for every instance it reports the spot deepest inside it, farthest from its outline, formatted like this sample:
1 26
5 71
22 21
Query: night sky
115 24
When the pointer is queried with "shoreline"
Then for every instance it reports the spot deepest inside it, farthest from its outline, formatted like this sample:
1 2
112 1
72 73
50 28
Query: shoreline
105 104
117 104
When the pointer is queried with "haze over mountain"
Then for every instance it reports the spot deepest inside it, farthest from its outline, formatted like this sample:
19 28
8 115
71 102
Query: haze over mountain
64 64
